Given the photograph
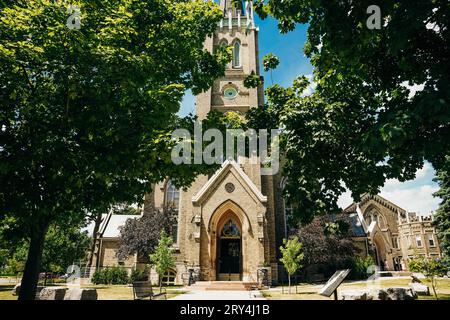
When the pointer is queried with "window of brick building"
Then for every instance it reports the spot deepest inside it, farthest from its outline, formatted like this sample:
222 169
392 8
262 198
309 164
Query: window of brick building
172 201
431 240
419 241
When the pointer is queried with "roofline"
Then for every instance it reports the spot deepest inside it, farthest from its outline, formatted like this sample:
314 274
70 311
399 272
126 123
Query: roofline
215 177
383 201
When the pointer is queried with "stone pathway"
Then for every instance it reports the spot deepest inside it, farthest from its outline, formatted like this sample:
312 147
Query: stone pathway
11 281
220 295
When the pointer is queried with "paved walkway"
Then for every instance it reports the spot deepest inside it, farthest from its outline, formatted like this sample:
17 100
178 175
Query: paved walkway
11 281
219 295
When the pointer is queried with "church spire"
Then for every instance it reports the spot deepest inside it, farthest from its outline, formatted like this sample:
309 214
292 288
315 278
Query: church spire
235 10
234 5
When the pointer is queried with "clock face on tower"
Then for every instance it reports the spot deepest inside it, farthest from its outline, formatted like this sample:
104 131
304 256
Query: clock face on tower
230 93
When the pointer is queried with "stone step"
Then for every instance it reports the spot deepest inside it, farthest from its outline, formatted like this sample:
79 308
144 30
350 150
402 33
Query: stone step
229 277
223 285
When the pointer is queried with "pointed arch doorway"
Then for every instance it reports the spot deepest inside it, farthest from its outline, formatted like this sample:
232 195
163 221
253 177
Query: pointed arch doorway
229 248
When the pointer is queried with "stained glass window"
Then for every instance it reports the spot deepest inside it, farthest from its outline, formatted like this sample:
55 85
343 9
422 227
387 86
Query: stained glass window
230 230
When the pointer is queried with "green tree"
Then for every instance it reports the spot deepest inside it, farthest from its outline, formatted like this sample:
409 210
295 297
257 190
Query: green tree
63 247
126 210
442 214
252 80
86 114
292 256
381 105
431 268
270 62
163 258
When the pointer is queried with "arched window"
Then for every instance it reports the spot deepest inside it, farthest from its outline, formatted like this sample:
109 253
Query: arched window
172 202
230 230
223 42
169 278
237 54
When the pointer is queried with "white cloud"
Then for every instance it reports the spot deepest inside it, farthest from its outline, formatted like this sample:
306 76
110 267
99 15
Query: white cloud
345 200
392 183
312 86
419 199
424 171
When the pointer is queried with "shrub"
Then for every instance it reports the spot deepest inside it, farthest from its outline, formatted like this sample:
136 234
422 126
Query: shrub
97 277
113 275
139 275
431 268
360 266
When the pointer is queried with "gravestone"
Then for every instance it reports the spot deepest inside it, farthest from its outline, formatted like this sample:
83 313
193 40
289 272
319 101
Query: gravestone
16 289
81 294
400 294
354 295
52 293
379 294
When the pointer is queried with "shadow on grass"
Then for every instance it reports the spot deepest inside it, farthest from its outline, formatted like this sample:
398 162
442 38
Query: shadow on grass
441 296
6 287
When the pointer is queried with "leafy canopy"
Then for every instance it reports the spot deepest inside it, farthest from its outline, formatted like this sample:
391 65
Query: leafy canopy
141 235
327 241
86 114
381 105
63 247
270 62
292 255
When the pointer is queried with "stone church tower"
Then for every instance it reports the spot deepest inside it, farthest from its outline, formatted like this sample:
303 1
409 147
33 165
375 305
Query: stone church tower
231 224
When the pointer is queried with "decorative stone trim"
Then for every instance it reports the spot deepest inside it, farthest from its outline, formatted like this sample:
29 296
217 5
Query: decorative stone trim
215 178
260 218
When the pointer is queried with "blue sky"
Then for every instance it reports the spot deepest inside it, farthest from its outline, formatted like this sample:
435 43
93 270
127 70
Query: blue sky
414 196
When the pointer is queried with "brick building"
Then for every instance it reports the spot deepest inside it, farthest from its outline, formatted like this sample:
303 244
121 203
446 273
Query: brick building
393 234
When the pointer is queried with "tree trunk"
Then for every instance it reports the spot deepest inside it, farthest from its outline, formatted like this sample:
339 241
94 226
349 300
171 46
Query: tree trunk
98 221
289 281
30 276
433 285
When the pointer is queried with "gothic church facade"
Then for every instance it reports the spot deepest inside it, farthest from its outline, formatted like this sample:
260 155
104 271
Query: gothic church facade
231 224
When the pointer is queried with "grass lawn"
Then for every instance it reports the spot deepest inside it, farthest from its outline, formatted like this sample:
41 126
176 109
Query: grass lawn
5 292
309 291
105 292
119 292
